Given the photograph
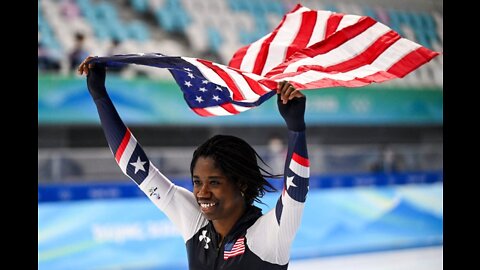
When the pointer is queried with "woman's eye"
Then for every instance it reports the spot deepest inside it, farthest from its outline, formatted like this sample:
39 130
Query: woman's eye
214 182
196 182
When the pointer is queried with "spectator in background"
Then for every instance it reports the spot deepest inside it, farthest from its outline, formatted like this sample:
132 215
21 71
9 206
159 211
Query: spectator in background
69 9
388 162
78 53
276 154
47 59
115 49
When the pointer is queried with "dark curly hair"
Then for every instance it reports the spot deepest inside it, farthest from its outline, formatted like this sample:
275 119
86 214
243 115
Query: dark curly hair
238 161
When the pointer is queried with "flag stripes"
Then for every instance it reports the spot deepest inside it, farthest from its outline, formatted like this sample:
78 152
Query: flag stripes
309 48
234 250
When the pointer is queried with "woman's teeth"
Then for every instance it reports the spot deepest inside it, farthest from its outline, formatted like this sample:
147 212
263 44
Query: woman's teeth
207 205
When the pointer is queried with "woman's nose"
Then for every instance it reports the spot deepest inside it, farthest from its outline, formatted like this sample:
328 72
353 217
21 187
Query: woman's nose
204 192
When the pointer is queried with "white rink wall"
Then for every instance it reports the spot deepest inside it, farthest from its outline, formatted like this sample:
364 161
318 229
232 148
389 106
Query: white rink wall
430 258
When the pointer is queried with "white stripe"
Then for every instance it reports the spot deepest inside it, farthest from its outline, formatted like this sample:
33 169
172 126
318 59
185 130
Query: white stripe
285 36
151 173
344 52
248 61
299 169
239 81
395 53
206 71
387 59
241 108
300 10
217 110
312 75
231 254
348 20
127 153
318 33
236 248
242 85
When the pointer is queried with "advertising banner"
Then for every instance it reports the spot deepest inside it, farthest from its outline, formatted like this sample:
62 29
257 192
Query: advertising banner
65 100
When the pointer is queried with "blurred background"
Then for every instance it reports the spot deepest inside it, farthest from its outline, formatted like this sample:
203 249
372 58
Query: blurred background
376 152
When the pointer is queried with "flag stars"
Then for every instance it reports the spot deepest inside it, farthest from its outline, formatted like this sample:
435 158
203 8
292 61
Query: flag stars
199 99
216 98
218 88
187 69
188 83
138 165
290 182
190 75
202 89
205 81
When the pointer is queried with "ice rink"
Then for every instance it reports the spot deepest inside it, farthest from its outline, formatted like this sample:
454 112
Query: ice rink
429 258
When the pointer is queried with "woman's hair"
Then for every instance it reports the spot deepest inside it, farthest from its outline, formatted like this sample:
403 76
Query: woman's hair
238 161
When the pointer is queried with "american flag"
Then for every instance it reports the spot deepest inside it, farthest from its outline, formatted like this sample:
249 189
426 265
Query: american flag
210 89
310 48
234 249
318 48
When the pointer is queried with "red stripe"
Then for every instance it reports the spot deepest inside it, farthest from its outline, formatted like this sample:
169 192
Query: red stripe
254 85
369 55
229 108
326 45
339 38
307 24
237 94
332 24
325 83
412 61
263 52
237 249
123 145
270 84
237 58
236 252
301 160
364 58
377 77
202 112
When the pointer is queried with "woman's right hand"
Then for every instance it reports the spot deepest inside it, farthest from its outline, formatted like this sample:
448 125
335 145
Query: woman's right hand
84 67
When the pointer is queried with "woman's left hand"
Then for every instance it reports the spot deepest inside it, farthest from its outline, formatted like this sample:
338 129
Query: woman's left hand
287 91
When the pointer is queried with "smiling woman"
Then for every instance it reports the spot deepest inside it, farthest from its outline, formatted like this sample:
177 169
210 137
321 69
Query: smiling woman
220 226
227 179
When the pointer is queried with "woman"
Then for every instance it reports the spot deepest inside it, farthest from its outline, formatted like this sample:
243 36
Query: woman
221 227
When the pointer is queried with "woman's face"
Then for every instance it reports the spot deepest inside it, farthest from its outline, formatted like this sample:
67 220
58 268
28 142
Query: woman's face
218 197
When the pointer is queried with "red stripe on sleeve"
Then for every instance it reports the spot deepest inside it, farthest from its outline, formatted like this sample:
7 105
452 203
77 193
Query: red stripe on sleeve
123 145
301 160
